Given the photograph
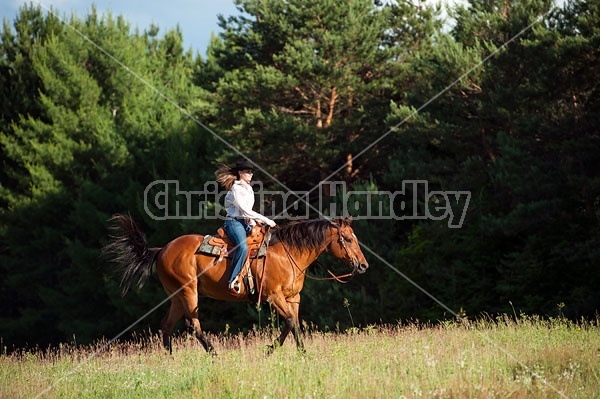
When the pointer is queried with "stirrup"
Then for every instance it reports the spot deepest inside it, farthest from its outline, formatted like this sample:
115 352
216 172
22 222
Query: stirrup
235 287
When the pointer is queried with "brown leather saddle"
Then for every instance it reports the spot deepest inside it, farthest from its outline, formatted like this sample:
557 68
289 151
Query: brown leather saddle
220 244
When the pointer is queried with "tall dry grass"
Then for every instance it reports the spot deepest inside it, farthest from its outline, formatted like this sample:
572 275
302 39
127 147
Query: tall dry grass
499 358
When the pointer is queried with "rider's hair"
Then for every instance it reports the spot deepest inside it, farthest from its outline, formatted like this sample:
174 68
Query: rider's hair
226 176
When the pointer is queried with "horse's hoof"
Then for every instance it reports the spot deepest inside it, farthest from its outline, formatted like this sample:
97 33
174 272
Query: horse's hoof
269 349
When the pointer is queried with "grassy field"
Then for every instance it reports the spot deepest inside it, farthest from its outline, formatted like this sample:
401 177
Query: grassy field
503 358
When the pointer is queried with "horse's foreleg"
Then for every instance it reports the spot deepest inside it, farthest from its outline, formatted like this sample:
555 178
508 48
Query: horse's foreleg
289 311
285 330
294 305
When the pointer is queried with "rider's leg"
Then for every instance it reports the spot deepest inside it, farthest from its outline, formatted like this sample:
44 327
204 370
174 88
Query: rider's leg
237 233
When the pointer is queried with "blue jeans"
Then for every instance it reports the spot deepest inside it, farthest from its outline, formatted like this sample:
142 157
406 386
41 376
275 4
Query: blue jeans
236 231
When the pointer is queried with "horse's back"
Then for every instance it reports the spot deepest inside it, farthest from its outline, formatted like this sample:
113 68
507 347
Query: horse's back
176 259
184 244
179 265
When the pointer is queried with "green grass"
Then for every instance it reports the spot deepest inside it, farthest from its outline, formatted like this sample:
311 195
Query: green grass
502 358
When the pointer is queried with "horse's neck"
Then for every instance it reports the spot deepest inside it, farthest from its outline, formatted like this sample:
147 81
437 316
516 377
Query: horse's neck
302 259
306 259
314 256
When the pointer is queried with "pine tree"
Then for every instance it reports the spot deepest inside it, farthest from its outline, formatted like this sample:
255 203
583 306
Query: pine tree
508 133
94 138
300 73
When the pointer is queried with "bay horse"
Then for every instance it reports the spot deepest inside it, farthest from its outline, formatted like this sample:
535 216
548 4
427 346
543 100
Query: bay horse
185 275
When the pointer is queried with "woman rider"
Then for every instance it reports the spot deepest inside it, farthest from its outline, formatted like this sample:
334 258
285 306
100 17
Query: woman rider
240 216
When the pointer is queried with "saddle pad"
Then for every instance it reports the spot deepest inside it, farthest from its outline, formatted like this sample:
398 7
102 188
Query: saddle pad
215 246
207 248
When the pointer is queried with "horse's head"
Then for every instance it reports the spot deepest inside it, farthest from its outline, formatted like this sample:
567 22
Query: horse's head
344 245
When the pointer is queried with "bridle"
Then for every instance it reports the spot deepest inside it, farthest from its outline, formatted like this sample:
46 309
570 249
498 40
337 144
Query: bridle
344 278
352 260
340 279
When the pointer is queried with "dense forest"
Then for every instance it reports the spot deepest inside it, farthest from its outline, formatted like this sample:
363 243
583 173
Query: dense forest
498 98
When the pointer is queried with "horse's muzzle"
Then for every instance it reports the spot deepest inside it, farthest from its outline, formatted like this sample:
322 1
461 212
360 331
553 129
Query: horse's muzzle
359 268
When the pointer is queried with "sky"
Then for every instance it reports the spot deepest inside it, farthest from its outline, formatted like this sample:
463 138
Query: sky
197 19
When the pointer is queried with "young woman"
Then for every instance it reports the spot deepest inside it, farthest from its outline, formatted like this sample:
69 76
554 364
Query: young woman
240 216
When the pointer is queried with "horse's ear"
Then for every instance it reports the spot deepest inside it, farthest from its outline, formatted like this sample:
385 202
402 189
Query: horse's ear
343 221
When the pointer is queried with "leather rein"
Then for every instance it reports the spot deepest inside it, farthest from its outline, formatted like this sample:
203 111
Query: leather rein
339 279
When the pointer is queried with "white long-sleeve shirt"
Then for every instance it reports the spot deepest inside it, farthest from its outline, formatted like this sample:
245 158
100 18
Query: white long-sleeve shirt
239 202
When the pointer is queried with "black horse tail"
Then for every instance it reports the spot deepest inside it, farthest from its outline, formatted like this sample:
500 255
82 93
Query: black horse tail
128 249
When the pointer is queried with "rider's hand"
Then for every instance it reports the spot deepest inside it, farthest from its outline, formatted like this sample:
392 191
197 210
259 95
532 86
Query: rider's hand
271 223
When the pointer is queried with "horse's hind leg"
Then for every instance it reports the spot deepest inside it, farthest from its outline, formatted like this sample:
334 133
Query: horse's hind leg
202 337
190 304
168 322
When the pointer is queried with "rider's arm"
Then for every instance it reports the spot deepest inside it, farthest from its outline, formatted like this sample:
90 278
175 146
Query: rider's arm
244 201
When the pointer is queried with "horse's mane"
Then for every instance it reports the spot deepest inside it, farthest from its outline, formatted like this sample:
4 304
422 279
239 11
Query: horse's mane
304 234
